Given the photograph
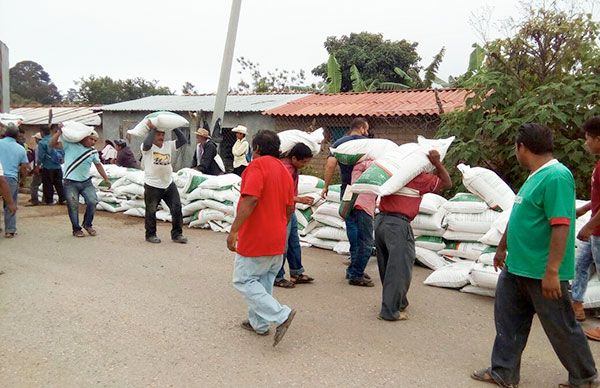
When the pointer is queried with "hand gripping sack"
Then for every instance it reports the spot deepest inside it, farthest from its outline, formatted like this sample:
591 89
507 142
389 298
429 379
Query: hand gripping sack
390 173
163 121
487 185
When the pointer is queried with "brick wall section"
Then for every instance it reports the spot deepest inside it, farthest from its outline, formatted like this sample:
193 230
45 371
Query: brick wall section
398 129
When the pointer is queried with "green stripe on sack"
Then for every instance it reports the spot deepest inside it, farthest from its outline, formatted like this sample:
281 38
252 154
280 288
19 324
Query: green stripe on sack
465 197
430 239
453 245
489 250
349 159
374 175
196 180
335 188
306 213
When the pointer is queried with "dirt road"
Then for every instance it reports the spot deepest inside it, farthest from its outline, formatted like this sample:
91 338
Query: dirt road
113 310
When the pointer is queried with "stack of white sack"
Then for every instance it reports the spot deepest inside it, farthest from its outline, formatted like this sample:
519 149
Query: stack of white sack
320 224
428 231
468 218
289 138
211 200
163 121
123 189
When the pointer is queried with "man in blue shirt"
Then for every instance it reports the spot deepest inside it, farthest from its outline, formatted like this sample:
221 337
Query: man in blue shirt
49 160
357 221
77 179
14 161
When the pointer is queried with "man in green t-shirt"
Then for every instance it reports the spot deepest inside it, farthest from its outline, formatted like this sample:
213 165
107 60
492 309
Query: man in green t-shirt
536 255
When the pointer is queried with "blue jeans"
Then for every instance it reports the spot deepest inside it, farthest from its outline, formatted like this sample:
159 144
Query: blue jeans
359 228
10 220
72 191
293 252
518 299
587 254
253 277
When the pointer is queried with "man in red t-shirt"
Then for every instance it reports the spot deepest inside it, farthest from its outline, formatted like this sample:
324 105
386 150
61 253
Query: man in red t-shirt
588 250
258 235
395 241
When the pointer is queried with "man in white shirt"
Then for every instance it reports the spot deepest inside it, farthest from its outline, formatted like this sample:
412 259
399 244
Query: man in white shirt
157 156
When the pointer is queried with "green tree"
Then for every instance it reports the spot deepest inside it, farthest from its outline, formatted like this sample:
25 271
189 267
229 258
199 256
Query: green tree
29 82
548 73
104 90
188 88
372 55
273 81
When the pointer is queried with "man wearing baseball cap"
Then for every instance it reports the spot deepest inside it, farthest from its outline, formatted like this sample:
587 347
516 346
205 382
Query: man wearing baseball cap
206 152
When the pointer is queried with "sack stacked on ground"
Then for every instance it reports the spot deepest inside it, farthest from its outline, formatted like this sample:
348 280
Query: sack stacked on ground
212 201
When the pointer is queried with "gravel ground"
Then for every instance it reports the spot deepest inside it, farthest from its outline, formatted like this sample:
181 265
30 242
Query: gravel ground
113 310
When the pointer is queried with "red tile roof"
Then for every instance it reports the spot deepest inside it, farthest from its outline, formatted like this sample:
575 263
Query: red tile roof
374 104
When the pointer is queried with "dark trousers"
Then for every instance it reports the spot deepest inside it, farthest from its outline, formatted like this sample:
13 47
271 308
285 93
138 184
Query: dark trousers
517 300
152 197
239 170
395 244
359 228
52 179
36 182
293 251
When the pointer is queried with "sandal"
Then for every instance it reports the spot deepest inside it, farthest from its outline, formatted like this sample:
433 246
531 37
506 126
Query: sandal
9 235
284 283
301 279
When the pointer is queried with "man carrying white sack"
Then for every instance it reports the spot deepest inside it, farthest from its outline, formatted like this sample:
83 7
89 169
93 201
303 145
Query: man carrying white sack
157 156
537 258
394 237
77 179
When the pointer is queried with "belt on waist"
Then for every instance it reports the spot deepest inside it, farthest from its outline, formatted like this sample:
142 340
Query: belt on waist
399 215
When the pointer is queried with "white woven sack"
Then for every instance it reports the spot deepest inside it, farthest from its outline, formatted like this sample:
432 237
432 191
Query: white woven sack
483 276
310 226
192 208
113 207
131 190
434 233
301 218
112 170
289 138
74 132
470 289
353 151
429 221
492 237
487 185
453 235
465 250
394 170
314 196
430 242
136 212
431 203
591 299
163 121
430 259
224 181
336 222
309 184
330 233
465 203
454 275
473 223
329 209
486 258
342 248
220 206
320 243
217 195
163 215
333 196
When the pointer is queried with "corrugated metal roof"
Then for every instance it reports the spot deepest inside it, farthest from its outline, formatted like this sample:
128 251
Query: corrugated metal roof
374 104
39 116
206 103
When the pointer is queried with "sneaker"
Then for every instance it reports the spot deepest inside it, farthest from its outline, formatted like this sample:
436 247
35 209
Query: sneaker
180 239
91 231
282 329
153 239
247 326
78 233
579 311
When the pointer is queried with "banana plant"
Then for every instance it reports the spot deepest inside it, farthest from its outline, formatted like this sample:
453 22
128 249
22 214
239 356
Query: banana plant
358 84
334 75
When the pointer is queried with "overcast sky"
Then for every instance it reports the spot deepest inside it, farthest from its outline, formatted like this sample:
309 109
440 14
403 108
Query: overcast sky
177 41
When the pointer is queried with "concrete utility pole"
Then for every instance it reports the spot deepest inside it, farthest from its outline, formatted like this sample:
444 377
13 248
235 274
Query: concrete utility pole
221 98
4 80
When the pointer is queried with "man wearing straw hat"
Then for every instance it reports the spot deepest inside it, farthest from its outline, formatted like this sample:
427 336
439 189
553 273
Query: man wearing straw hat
206 155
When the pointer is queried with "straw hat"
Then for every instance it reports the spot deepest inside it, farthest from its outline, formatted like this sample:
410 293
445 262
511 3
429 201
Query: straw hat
240 129
37 136
203 132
